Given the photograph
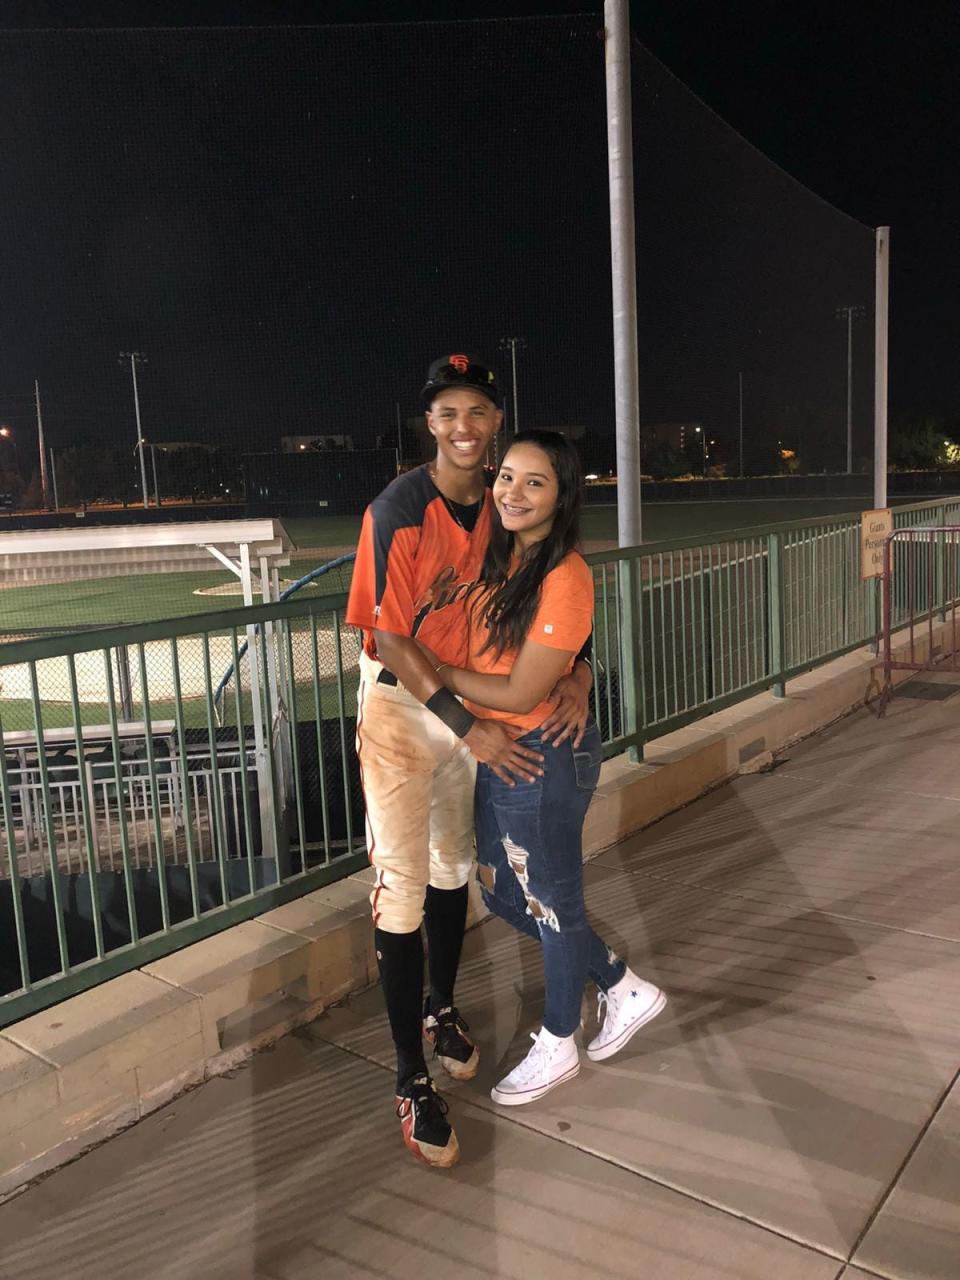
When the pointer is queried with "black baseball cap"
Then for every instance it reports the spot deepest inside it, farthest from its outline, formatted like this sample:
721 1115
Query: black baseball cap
459 371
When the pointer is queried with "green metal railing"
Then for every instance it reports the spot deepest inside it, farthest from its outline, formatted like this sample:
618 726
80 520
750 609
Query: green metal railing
136 816
685 628
145 803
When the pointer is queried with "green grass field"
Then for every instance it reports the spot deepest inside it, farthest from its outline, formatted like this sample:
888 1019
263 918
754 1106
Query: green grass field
150 597
138 598
661 521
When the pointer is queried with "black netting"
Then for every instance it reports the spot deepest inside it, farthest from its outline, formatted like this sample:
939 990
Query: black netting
742 272
290 223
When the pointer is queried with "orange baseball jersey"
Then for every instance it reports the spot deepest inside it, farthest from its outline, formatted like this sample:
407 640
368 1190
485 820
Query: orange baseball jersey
564 620
414 567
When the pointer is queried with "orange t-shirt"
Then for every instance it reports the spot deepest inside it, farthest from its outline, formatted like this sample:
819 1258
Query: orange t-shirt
563 620
414 567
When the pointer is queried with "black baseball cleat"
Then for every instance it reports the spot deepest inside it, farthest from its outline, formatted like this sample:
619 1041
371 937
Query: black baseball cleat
423 1122
447 1032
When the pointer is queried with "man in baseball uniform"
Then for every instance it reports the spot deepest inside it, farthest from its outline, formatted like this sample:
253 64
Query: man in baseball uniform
421 547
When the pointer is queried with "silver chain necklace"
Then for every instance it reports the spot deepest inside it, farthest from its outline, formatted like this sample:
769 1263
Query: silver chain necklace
432 474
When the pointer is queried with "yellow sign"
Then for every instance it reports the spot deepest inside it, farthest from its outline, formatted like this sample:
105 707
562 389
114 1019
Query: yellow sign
875 528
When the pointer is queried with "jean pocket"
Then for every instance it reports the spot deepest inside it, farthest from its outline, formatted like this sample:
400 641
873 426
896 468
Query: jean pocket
587 759
518 796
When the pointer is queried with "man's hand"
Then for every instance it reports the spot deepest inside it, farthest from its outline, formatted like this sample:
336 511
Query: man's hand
570 699
492 745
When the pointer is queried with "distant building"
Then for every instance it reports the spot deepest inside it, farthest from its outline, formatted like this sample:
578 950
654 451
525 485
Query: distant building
676 434
315 443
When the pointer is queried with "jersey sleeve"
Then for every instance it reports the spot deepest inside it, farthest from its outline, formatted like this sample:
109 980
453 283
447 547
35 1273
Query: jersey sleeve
564 617
383 584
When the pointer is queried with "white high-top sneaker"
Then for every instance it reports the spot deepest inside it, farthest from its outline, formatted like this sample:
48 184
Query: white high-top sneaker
551 1061
630 1004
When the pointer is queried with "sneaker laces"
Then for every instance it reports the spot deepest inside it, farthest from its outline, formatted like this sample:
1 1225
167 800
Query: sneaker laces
451 1018
424 1099
530 1067
449 1033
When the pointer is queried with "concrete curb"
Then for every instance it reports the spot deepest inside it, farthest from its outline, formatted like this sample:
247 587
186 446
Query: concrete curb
79 1072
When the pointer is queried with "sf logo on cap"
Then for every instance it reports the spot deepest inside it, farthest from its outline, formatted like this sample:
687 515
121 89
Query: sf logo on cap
460 363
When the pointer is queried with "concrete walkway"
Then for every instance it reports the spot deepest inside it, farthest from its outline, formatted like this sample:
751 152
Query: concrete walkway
793 1115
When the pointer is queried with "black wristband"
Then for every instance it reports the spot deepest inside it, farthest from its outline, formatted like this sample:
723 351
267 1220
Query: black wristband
453 713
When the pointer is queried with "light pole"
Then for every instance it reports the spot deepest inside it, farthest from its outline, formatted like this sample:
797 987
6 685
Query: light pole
135 358
44 487
849 314
881 353
623 279
703 441
740 385
512 344
53 477
153 463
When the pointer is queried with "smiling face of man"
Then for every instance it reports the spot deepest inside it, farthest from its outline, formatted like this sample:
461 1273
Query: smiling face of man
463 422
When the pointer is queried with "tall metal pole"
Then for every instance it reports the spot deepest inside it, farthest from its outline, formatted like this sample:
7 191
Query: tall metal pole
881 326
849 313
513 343
740 387
44 487
616 17
136 409
516 409
156 487
53 476
849 391
399 437
135 357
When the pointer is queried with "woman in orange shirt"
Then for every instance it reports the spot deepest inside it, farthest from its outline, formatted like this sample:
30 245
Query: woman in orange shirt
528 619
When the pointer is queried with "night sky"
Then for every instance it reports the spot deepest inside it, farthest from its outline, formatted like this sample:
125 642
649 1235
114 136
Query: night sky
292 224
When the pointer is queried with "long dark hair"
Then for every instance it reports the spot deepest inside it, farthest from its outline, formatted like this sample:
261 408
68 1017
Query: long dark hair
508 603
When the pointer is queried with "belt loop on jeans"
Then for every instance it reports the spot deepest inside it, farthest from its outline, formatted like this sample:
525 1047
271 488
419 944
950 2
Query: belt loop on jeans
387 677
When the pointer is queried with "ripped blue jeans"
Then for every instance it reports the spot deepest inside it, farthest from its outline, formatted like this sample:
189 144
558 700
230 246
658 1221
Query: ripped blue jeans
529 851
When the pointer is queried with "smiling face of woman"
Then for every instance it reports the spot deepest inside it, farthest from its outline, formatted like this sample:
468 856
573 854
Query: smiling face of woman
525 493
